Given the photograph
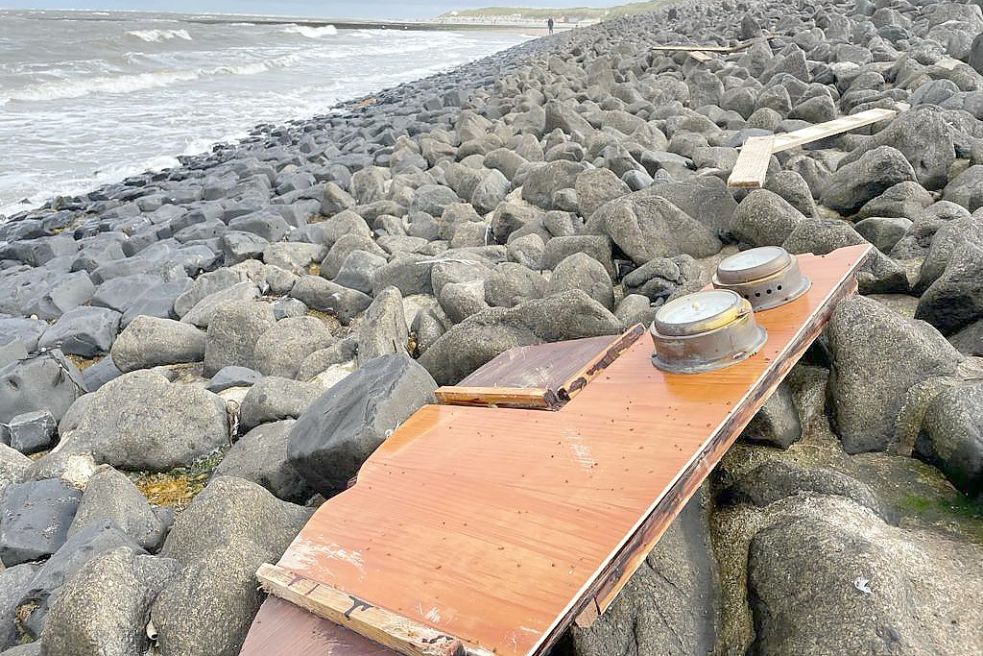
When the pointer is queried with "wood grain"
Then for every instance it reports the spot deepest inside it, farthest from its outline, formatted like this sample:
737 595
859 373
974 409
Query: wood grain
500 527
499 397
752 164
830 128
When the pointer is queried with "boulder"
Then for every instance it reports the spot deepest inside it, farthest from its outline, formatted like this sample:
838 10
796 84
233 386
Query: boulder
140 421
955 299
150 342
14 583
545 180
104 610
34 519
664 278
13 466
581 271
239 294
383 329
877 356
765 219
597 186
511 283
855 183
228 377
326 296
84 331
905 199
233 333
342 428
282 348
777 422
951 437
111 496
47 381
274 399
32 431
261 456
645 227
966 189
950 236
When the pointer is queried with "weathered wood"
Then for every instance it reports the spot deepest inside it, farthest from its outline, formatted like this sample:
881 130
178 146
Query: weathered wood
499 397
699 55
501 527
752 163
285 629
830 128
541 377
393 631
695 47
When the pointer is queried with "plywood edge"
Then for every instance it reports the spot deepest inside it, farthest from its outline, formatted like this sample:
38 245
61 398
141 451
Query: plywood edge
533 398
751 169
572 386
384 627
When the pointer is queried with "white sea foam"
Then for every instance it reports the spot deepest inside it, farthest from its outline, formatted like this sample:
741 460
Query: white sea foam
157 36
311 32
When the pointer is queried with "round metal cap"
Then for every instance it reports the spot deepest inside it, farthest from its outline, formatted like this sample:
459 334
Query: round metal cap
699 312
753 264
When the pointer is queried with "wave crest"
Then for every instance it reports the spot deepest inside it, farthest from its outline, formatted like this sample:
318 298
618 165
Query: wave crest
311 32
157 36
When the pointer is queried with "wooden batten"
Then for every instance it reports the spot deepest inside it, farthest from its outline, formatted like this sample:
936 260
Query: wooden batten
751 169
393 631
499 397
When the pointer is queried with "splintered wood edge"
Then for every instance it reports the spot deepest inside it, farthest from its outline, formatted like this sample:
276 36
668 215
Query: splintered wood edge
388 629
534 398
600 362
620 569
752 163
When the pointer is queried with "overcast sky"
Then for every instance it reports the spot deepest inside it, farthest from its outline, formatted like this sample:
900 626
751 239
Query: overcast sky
314 8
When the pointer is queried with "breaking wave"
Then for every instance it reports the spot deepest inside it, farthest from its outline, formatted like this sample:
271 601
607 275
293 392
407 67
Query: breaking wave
157 36
311 32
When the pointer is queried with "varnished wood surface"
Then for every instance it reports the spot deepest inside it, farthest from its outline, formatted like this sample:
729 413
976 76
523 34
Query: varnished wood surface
501 526
499 397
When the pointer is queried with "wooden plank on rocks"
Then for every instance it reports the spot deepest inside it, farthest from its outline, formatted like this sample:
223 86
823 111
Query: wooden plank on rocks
830 128
752 164
393 631
501 527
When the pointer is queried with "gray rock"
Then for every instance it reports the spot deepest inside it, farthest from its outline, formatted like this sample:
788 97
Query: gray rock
765 219
65 294
923 137
343 427
955 299
358 270
233 334
879 274
335 200
855 183
46 381
947 240
581 271
883 232
325 296
830 577
13 466
140 421
664 278
99 374
231 511
777 422
645 227
950 437
793 188
707 199
260 456
104 609
282 348
201 314
205 285
32 431
84 331
527 250
12 352
541 184
239 246
150 342
596 246
905 199
14 583
62 567
233 377
340 352
966 189
111 497
274 399
597 186
510 284
383 329
266 223
34 519
877 356
25 332
432 199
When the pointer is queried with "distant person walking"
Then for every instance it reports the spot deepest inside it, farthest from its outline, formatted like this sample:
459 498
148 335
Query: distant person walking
549 24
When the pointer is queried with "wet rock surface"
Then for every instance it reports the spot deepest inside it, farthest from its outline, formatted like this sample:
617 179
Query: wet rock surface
255 322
